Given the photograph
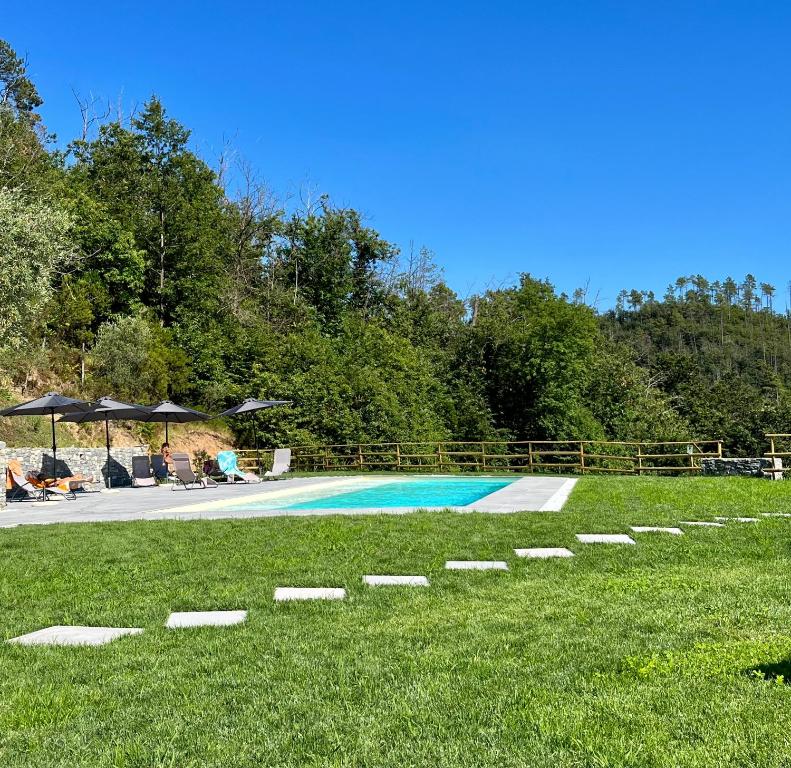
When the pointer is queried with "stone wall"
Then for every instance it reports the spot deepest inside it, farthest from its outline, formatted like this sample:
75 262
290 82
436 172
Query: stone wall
88 462
756 467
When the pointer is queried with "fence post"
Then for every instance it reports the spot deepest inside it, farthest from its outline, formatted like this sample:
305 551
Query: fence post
639 458
529 457
483 456
398 455
582 458
360 456
439 456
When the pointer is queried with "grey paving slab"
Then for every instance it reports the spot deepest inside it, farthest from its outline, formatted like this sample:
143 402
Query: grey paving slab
544 552
395 581
776 514
180 619
737 519
702 523
476 565
74 635
527 494
656 529
285 594
605 538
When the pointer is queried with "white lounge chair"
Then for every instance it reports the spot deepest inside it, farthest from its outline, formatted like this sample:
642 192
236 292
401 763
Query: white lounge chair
38 491
281 463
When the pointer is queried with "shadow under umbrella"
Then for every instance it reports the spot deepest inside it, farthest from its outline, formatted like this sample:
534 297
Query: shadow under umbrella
107 409
49 405
252 406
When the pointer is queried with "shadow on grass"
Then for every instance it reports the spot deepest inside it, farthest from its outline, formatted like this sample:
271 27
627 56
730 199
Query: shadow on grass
776 672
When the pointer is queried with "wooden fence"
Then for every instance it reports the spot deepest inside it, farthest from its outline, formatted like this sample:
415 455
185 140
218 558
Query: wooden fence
562 456
779 448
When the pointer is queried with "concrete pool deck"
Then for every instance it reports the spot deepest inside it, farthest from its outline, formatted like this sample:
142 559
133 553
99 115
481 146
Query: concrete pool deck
527 494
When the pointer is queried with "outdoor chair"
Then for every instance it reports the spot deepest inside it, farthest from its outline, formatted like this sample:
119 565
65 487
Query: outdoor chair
159 467
229 466
142 476
33 488
185 474
280 464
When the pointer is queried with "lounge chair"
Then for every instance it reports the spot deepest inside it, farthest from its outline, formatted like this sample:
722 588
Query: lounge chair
32 487
281 463
142 476
229 466
159 466
185 474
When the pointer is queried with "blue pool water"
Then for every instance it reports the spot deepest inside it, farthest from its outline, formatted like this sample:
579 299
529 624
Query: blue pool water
423 492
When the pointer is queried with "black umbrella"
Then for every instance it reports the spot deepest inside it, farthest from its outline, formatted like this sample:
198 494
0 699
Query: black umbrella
171 413
49 405
105 409
251 406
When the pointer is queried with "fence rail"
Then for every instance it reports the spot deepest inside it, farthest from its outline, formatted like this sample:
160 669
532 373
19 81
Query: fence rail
577 456
778 440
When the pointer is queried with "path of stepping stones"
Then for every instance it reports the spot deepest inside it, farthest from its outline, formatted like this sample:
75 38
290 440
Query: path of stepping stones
77 635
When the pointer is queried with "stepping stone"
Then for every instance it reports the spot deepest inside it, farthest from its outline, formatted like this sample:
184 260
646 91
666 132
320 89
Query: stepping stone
60 635
656 529
605 538
706 523
395 581
179 619
738 519
776 514
476 565
544 552
283 594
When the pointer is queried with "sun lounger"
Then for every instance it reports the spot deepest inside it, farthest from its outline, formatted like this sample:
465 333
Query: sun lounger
229 466
159 467
142 476
281 463
34 488
185 474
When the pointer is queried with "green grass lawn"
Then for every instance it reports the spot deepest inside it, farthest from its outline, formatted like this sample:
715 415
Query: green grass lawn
663 654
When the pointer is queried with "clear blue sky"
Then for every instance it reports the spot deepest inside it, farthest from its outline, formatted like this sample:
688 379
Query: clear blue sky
623 143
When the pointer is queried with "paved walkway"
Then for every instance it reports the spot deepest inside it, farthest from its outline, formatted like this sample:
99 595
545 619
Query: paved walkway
529 494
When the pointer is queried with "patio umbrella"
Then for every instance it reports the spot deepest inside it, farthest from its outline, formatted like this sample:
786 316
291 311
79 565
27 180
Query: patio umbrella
105 409
49 405
251 406
170 413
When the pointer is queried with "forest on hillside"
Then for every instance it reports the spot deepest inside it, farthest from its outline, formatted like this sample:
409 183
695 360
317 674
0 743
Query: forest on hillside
131 266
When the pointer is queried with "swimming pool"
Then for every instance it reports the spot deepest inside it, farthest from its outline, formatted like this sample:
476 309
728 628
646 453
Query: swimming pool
419 492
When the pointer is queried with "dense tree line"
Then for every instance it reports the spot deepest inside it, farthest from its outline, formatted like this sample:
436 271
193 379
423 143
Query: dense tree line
129 266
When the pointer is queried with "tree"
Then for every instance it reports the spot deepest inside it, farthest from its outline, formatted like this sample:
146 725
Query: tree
34 249
16 89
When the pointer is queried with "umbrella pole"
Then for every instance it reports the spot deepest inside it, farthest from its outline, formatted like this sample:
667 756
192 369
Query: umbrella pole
167 439
255 439
107 436
54 446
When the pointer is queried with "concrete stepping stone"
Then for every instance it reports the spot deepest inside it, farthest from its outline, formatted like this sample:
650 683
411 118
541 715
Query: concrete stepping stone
180 619
543 553
395 581
656 529
775 514
738 519
476 565
703 523
71 635
284 594
605 538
